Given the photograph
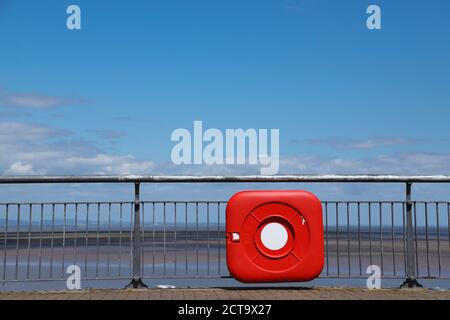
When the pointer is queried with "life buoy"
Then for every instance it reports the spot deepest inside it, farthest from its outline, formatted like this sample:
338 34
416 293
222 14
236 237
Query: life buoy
274 236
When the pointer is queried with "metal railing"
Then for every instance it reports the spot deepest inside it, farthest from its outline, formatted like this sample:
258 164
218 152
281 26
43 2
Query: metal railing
186 239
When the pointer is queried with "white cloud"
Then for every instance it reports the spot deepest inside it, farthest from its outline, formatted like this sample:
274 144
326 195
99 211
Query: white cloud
37 149
32 149
402 163
19 168
17 131
370 143
35 100
27 149
107 164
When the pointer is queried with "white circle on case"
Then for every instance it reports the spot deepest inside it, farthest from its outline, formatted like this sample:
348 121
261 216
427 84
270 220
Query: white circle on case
274 236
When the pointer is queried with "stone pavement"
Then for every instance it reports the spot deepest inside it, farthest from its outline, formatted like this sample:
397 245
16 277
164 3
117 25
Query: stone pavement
234 294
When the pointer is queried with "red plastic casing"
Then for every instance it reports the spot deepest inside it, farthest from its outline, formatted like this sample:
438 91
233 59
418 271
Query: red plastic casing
300 260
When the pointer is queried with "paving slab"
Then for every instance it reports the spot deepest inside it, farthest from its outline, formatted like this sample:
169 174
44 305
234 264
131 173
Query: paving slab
234 294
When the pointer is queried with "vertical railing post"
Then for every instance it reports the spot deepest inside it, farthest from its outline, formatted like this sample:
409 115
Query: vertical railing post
411 272
136 281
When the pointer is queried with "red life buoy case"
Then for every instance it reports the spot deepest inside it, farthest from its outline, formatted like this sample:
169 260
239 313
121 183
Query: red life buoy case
274 236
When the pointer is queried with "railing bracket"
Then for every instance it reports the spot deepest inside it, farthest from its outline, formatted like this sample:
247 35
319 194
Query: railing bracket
411 283
136 284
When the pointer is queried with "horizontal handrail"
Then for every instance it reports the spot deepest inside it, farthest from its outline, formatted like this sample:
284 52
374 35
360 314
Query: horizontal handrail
226 179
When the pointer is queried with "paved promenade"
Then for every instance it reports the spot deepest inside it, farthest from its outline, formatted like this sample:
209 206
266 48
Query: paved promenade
233 294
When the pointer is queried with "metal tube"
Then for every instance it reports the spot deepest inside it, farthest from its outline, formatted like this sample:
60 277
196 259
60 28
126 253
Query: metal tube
164 237
52 242
348 239
86 242
207 236
120 238
225 179
29 241
5 245
405 263
337 239
186 236
393 238
136 281
40 241
142 235
381 239
218 238
136 231
327 239
175 235
17 242
153 236
75 236
416 237
370 234
359 238
448 225
109 241
98 242
410 281
438 239
196 231
427 242
64 241
131 238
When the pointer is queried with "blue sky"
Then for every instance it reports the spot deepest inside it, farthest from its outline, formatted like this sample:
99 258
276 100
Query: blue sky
105 99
